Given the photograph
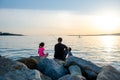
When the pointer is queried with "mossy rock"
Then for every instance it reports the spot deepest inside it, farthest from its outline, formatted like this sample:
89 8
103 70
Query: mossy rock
29 62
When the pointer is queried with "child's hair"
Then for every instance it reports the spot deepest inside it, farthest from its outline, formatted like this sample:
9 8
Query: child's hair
69 49
41 44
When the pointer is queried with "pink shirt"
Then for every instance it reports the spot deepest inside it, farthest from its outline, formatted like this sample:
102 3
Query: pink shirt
41 52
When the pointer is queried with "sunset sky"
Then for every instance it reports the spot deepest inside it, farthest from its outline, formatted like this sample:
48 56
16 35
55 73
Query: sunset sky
63 17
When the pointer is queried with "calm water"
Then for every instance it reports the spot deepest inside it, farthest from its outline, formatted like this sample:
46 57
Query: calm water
102 50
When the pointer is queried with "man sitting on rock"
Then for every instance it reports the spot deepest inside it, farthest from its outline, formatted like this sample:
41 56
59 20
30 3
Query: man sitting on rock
60 50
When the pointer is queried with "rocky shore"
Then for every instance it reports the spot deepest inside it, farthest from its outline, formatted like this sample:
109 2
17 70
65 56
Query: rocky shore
9 34
36 68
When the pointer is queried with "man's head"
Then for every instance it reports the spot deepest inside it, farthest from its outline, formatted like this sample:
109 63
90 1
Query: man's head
60 39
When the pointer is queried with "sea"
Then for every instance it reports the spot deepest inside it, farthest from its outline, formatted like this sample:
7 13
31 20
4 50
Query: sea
101 50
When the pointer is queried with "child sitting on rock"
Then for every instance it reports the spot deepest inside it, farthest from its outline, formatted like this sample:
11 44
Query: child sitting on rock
69 52
41 50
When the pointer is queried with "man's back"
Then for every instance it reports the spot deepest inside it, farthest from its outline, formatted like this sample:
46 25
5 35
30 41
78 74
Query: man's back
59 51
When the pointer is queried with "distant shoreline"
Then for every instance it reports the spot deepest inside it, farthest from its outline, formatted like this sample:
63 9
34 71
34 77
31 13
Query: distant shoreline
116 34
9 34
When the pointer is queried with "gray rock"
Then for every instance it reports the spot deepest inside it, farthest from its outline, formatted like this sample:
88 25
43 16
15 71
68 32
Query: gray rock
71 77
75 70
44 77
75 74
89 70
61 62
51 68
108 73
13 70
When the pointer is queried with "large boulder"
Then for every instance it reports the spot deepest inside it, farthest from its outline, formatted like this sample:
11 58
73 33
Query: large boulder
89 70
75 74
29 62
13 70
61 62
52 68
108 73
75 70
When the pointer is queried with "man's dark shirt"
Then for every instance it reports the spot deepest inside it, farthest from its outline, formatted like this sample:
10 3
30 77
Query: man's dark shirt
60 51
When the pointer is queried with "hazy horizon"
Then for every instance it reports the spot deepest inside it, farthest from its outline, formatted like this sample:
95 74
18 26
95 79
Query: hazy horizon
64 17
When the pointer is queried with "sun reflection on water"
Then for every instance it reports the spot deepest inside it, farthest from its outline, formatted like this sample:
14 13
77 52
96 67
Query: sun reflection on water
108 42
